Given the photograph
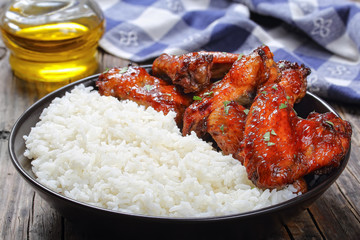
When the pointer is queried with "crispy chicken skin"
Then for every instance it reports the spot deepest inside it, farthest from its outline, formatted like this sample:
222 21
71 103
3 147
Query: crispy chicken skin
190 71
239 85
222 63
279 147
136 84
193 71
226 126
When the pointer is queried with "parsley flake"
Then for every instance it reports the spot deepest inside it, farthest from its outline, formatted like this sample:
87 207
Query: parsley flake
273 132
123 70
270 144
106 70
282 106
148 87
222 128
226 107
267 136
246 111
226 103
264 92
274 87
197 98
240 56
208 94
281 65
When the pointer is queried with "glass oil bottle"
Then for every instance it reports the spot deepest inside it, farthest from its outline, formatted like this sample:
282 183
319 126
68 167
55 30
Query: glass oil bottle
52 41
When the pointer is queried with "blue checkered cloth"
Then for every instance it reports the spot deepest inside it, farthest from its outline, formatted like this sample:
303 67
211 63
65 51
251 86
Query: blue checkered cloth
324 35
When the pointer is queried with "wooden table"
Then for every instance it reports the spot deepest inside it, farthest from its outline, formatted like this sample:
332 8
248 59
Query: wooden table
24 215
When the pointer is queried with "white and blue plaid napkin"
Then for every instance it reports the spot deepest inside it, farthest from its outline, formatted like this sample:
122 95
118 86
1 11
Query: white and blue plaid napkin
324 35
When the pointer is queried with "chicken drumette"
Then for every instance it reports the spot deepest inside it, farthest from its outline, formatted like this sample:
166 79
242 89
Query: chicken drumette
280 147
238 85
136 84
193 71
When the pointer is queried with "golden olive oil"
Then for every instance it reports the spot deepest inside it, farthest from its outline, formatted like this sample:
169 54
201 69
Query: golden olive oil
51 51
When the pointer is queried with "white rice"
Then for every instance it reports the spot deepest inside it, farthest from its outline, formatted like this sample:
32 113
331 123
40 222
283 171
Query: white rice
120 156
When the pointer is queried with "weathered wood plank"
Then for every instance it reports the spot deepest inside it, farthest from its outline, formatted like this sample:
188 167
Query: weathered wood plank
107 61
334 216
15 199
303 227
45 222
349 181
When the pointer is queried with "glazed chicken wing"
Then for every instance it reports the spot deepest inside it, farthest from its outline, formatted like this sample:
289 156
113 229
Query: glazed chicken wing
226 126
136 84
193 71
222 62
239 85
279 147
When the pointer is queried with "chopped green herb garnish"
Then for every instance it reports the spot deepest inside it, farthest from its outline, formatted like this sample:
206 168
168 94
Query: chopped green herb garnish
197 98
330 123
148 87
169 94
267 136
224 53
270 144
288 98
282 106
226 103
226 107
264 92
274 87
240 56
246 111
222 128
208 93
281 65
123 70
106 70
273 132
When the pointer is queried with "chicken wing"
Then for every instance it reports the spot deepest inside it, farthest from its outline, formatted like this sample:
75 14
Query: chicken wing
193 71
279 147
222 62
239 85
226 126
136 84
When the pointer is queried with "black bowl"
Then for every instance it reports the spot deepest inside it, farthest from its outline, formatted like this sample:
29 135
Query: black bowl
257 223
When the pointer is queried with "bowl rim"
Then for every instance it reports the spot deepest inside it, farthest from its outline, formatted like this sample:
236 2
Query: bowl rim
248 214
